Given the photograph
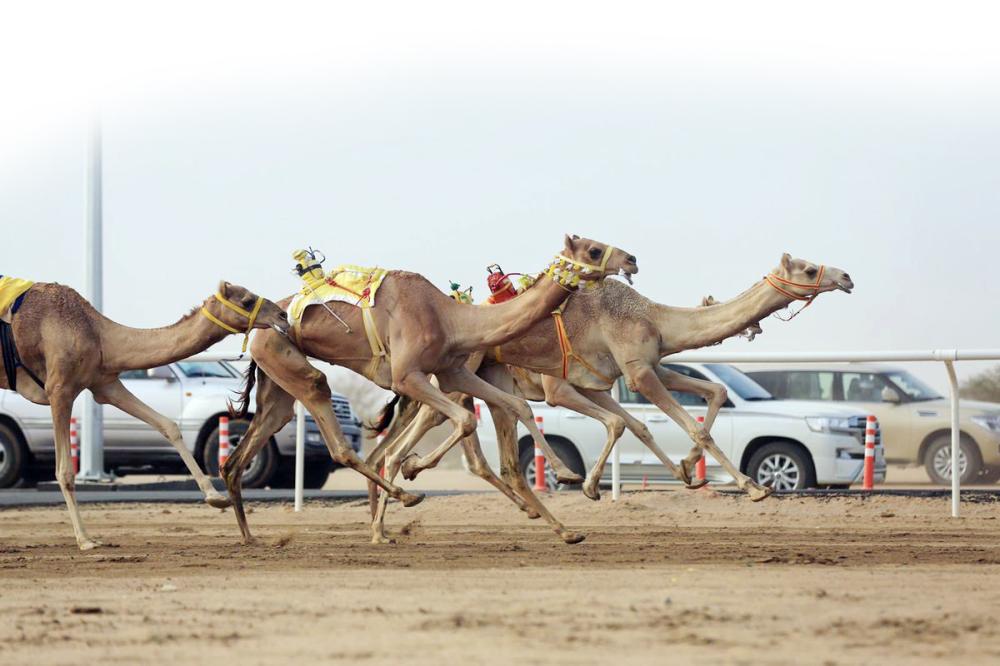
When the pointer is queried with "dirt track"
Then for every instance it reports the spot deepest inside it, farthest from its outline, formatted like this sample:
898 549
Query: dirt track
663 576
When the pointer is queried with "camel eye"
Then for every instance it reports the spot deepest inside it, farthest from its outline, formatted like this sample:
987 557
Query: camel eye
811 272
595 253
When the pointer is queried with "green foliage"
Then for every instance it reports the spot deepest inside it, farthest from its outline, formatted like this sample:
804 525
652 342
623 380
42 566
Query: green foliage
983 386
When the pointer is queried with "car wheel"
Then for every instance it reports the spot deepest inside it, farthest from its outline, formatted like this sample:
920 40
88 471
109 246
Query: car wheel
566 452
989 475
261 469
782 466
937 460
314 477
13 457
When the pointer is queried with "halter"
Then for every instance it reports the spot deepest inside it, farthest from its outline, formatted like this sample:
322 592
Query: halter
251 316
773 279
567 272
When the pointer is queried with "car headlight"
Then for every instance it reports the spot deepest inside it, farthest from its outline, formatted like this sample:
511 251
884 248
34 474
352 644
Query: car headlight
988 421
313 437
828 423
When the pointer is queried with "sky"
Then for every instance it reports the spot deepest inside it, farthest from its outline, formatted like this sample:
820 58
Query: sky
442 138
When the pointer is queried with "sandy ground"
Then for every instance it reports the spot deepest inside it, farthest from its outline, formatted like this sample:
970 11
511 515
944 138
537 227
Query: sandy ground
676 576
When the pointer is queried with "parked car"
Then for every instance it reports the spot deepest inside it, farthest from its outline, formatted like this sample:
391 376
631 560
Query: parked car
915 419
192 393
784 444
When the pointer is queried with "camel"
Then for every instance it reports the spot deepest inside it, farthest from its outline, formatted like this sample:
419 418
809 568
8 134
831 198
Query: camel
612 332
424 332
66 346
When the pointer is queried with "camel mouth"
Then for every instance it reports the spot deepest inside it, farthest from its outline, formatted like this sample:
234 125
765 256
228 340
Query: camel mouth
283 330
846 288
627 275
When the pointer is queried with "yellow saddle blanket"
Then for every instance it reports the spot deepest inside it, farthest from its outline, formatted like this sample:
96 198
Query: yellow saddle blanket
350 284
11 289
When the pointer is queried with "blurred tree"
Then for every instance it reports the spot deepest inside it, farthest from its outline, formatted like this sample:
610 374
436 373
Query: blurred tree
983 386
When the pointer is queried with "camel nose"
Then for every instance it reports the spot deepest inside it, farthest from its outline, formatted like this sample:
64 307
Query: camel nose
631 258
848 277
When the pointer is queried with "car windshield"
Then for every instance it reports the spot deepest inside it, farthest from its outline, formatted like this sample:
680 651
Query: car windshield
742 385
205 369
912 387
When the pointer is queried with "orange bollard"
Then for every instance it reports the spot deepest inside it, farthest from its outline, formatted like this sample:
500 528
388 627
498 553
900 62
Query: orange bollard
223 441
74 445
479 415
869 478
699 468
540 459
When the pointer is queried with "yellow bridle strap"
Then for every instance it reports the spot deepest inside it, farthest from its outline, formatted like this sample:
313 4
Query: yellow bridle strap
250 315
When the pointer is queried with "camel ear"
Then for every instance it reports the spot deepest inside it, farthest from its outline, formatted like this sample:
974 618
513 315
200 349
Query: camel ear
570 245
786 262
223 288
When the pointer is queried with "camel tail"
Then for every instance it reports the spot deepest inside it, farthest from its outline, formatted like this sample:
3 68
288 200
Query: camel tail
240 409
385 416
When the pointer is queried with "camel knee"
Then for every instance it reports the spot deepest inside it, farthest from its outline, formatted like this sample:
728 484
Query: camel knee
616 426
66 479
719 395
467 423
171 431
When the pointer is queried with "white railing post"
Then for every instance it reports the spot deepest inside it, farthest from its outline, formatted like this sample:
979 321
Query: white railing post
956 480
616 472
300 453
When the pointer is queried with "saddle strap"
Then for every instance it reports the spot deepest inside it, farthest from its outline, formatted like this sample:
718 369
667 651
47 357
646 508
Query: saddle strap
11 359
569 355
379 353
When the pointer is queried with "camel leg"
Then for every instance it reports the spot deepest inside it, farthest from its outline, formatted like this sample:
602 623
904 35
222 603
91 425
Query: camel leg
61 398
467 382
116 394
639 429
376 457
646 380
290 369
275 408
715 396
510 471
478 466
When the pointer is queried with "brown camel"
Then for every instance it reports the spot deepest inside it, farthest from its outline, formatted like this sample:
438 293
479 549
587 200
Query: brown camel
615 331
424 332
69 347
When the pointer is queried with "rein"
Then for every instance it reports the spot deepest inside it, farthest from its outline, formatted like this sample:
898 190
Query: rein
251 316
774 281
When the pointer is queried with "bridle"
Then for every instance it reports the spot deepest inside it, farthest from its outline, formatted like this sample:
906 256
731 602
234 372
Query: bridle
774 281
251 316
566 271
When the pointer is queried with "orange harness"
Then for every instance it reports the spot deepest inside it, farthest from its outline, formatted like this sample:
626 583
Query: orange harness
773 280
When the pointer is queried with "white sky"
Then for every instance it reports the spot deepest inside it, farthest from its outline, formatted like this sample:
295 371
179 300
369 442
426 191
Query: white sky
440 138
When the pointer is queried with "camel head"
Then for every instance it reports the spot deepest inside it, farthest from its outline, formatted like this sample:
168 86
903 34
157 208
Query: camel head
806 280
236 307
594 260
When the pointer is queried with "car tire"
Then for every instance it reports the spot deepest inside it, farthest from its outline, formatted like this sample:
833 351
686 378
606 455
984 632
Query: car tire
782 465
14 458
937 460
566 452
260 470
989 475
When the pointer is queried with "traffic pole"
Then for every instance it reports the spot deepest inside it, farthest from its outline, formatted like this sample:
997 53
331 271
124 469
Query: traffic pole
74 445
699 468
223 442
869 480
540 458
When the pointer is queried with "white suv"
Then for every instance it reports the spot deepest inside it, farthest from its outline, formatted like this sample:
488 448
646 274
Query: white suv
788 444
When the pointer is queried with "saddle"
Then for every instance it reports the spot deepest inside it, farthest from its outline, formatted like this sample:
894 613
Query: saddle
12 293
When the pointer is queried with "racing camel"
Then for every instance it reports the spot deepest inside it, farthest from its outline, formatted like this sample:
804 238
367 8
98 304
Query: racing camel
611 332
423 332
63 346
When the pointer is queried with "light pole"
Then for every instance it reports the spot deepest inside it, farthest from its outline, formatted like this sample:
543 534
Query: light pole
92 446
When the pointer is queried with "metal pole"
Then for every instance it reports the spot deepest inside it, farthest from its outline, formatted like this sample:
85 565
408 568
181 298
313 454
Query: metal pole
300 453
616 472
956 481
92 446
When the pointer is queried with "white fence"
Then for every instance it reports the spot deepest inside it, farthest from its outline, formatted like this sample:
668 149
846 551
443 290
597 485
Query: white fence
946 356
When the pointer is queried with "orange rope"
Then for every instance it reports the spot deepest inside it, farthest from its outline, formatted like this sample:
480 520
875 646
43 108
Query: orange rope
772 279
568 354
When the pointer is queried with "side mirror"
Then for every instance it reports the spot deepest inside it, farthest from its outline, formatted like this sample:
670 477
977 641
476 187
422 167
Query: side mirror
890 395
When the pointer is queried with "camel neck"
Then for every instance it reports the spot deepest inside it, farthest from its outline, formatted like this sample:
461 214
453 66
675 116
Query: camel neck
692 328
493 325
126 348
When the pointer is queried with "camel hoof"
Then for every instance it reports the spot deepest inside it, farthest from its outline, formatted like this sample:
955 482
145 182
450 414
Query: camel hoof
696 484
569 478
573 537
411 499
532 514
687 472
248 541
758 493
409 467
592 492
89 544
379 539
218 501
